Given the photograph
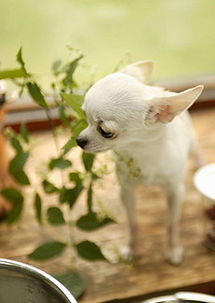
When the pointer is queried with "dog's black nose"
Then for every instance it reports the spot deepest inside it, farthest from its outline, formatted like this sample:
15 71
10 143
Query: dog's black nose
82 142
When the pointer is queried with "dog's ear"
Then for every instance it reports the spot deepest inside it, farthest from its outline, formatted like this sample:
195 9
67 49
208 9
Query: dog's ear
164 109
141 70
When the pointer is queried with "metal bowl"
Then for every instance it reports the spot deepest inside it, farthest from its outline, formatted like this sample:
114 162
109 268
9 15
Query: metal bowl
183 297
22 283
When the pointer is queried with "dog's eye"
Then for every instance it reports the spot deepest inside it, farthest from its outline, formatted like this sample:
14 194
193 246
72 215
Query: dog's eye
105 134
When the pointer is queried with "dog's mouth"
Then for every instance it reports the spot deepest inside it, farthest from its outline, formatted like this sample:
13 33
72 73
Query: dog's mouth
96 149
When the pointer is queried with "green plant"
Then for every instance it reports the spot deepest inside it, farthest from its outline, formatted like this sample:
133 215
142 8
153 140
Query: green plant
74 183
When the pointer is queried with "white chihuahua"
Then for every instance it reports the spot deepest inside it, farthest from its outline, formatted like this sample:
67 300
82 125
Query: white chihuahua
151 134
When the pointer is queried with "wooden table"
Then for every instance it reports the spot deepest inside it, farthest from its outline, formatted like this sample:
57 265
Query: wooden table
149 274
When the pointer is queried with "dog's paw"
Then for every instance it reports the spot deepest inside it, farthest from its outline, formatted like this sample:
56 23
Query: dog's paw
175 255
127 253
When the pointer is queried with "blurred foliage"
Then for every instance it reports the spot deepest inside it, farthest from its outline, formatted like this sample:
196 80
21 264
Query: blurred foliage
68 103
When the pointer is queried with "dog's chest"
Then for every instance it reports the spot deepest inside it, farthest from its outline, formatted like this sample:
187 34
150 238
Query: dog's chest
148 167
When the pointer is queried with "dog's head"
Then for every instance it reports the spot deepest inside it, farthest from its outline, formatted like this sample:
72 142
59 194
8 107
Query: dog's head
122 109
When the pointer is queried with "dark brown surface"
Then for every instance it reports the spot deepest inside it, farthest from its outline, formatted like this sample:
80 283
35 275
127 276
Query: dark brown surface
150 273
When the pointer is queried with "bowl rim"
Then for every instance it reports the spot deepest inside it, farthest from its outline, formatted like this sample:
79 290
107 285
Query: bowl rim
38 273
183 296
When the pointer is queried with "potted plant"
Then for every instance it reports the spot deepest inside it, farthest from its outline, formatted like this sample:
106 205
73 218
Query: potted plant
66 97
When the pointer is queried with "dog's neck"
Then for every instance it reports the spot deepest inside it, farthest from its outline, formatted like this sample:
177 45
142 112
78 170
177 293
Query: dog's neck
145 138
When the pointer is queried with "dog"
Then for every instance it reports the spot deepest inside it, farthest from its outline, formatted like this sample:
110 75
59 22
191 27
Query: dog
151 133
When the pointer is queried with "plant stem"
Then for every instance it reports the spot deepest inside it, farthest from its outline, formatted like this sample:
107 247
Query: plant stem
71 245
70 223
53 130
55 137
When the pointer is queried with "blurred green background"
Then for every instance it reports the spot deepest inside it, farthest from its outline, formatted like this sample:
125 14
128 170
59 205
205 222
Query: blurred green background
178 34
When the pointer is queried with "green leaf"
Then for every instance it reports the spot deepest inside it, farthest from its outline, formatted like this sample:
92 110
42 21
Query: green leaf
19 59
66 195
62 115
71 66
24 133
12 194
16 144
55 216
15 212
88 160
12 73
59 163
49 188
89 251
75 101
73 281
91 222
16 168
35 92
21 159
47 250
69 145
55 66
74 177
95 176
21 177
38 207
78 127
69 70
15 197
90 198
70 195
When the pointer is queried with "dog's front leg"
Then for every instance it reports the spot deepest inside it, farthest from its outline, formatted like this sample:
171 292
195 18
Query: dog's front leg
175 194
128 198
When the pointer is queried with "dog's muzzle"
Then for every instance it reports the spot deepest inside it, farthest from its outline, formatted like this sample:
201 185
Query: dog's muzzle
82 142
